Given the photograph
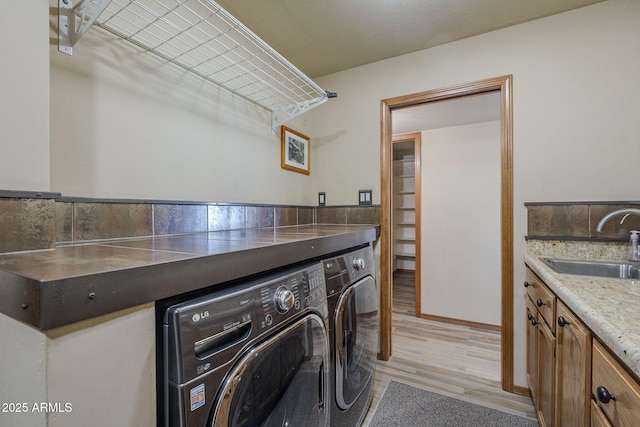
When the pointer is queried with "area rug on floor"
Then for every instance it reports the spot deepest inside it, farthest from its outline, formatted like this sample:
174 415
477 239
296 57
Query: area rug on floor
408 406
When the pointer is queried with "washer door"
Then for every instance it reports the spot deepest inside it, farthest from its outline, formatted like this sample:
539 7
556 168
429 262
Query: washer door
356 336
280 381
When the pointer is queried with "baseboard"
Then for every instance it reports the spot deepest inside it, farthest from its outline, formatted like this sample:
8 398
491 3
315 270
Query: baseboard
523 391
461 322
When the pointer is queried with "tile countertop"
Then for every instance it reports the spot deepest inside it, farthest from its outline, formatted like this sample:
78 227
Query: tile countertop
609 307
52 288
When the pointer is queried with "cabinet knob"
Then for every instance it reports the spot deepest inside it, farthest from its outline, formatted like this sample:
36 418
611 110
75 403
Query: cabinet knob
604 396
530 316
540 303
533 322
526 284
562 322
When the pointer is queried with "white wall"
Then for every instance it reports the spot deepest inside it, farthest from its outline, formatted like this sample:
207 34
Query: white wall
576 100
460 223
24 96
23 372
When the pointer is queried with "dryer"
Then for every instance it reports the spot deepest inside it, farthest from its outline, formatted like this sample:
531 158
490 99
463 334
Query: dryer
352 297
253 354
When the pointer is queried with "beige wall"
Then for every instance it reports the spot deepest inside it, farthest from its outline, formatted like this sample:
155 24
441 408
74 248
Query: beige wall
576 100
24 96
460 223
125 125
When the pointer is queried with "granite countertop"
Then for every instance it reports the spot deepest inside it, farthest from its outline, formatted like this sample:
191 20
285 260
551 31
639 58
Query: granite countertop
52 288
609 307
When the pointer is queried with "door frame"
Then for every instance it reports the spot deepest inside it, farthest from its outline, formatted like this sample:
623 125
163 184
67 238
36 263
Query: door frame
503 84
416 137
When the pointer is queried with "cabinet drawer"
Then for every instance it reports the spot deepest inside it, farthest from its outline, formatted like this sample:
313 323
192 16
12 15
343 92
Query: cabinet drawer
543 298
607 373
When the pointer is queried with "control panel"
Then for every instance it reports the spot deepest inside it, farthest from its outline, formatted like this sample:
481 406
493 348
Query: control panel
289 295
204 333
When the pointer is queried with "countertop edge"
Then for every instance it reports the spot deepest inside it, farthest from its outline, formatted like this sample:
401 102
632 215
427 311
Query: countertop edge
614 337
54 303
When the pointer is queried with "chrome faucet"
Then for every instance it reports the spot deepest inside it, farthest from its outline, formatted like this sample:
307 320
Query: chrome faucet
607 217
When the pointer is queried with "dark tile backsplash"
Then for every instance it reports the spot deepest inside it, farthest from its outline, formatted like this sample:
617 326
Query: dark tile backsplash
578 221
96 221
26 224
331 215
567 221
176 219
36 223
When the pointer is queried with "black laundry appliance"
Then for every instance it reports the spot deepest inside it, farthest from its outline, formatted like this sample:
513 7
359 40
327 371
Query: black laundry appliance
352 296
253 354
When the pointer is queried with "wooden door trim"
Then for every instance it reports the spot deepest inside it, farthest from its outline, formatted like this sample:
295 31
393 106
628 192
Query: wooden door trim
504 85
416 137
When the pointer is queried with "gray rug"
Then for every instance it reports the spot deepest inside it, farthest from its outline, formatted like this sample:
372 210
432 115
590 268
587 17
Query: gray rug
407 406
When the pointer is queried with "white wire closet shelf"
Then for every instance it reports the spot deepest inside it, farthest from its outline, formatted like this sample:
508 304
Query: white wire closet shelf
203 38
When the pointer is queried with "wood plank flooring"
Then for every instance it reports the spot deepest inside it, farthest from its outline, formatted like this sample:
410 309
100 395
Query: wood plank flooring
454 360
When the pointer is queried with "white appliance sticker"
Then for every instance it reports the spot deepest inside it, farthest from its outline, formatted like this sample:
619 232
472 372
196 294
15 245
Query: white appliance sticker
197 397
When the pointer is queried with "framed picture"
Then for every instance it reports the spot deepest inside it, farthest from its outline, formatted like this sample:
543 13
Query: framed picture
296 151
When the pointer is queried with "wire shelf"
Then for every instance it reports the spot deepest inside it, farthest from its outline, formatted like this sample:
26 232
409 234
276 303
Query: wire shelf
203 38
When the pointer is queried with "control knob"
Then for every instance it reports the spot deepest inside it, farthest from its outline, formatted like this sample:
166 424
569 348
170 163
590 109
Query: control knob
284 299
358 264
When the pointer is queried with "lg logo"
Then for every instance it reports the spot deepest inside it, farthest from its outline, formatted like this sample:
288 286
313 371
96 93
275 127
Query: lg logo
199 316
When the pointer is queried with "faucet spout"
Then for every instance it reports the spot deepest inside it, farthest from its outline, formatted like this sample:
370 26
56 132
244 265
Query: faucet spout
607 217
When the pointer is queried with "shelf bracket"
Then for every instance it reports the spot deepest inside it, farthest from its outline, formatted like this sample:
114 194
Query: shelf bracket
283 115
74 21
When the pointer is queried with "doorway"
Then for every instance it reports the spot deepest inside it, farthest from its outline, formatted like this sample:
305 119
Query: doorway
503 86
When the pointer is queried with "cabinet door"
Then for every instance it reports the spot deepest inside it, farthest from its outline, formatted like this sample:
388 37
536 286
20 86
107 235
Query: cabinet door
546 374
573 365
597 417
532 349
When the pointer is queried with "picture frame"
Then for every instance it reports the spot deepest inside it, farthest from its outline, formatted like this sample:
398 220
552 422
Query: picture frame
296 151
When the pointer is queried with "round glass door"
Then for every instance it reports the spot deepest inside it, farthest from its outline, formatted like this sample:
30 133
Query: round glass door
356 336
280 382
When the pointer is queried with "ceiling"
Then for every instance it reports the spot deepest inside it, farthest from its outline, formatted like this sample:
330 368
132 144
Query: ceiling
325 36
480 108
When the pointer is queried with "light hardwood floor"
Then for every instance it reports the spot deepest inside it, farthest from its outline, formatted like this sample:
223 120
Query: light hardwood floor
457 361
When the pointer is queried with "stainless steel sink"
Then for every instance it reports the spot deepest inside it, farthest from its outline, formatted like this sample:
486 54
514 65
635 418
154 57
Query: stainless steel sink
618 270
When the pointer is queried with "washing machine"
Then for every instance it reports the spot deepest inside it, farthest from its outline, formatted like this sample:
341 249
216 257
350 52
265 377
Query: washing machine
253 354
352 296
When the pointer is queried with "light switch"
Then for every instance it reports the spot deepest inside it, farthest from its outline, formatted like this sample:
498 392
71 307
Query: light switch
322 199
365 197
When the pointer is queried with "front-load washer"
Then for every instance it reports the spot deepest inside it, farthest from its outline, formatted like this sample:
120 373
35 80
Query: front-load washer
352 296
253 354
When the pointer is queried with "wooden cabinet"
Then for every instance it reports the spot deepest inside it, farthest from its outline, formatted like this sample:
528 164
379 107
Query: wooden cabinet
558 358
573 366
616 392
541 304
532 347
546 375
574 379
597 416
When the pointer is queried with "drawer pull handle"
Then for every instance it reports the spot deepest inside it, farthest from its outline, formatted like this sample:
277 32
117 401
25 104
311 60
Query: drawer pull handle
562 322
540 303
604 396
526 284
